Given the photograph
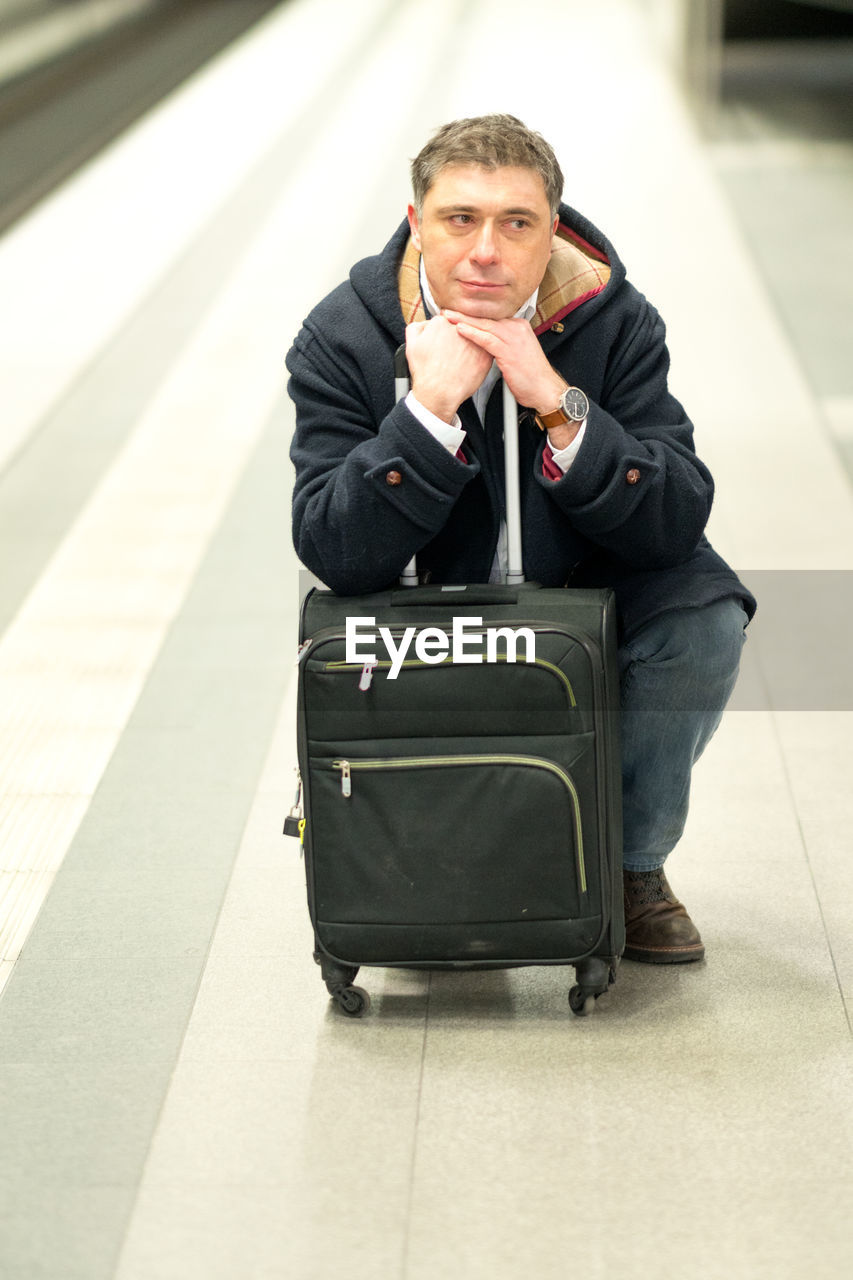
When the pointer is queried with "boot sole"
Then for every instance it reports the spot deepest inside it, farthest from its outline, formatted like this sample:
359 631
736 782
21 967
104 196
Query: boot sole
663 957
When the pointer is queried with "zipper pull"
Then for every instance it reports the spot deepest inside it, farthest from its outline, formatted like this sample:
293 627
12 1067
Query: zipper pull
301 650
366 676
346 777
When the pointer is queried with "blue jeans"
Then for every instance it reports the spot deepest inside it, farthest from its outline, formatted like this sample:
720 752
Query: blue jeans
676 676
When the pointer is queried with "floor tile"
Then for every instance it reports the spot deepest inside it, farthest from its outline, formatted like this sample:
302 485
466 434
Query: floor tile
67 1128
814 745
275 1234
107 1008
535 1134
70 1237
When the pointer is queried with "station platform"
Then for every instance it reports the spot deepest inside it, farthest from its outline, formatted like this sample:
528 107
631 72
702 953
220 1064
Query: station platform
179 1100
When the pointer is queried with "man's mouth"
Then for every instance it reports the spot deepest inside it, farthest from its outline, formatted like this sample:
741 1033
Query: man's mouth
481 284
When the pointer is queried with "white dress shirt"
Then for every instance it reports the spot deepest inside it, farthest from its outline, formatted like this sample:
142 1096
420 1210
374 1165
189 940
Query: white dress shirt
452 435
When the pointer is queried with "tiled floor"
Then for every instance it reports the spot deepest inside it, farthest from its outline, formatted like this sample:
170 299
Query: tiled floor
178 1101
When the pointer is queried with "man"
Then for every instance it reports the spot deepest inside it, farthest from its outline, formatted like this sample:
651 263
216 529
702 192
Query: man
492 277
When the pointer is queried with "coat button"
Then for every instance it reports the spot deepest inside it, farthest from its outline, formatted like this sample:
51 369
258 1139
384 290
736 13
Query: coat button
393 478
632 476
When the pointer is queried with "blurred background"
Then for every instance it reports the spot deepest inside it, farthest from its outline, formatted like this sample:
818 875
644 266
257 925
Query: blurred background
771 85
768 82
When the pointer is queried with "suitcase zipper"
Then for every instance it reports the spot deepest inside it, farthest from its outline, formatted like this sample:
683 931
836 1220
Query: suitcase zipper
366 669
347 767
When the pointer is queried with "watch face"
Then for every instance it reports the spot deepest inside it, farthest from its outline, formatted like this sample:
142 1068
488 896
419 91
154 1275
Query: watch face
575 404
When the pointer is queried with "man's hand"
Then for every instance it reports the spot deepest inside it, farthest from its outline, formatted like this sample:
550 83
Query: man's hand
521 360
445 367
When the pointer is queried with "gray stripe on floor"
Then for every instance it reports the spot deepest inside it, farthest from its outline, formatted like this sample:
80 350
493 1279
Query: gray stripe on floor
96 1009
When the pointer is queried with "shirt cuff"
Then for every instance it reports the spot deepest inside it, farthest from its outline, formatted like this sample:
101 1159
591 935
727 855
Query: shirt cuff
449 434
565 457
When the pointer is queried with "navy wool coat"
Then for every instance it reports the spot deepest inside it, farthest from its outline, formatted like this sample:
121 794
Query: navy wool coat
631 511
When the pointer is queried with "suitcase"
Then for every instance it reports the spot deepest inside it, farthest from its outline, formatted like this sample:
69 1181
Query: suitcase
462 795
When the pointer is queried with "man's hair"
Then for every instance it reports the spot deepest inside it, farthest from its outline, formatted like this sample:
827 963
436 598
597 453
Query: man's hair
493 142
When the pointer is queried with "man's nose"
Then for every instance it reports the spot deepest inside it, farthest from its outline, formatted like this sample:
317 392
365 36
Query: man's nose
485 248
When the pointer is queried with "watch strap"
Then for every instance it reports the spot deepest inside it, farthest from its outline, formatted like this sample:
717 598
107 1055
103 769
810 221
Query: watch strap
556 418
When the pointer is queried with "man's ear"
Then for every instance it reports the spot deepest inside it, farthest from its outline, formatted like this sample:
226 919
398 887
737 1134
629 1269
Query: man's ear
414 228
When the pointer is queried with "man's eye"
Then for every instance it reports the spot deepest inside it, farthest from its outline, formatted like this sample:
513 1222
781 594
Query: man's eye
461 219
519 224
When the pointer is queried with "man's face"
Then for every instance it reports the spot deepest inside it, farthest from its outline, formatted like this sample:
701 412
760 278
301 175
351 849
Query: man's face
485 236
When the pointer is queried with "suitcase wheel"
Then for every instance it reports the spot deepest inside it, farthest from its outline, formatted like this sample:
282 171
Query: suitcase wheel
353 1001
595 977
581 1002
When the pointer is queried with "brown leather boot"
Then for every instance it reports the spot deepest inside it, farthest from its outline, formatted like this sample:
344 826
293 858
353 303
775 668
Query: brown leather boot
658 929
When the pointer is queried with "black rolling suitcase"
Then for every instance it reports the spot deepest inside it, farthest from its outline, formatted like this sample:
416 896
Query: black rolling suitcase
462 813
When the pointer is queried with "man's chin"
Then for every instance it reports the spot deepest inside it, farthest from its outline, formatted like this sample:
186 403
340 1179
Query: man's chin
484 308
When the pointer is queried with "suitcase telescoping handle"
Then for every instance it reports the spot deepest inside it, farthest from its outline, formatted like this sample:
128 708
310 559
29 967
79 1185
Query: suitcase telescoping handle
515 572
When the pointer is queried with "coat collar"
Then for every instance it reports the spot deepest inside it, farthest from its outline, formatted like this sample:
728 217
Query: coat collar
575 273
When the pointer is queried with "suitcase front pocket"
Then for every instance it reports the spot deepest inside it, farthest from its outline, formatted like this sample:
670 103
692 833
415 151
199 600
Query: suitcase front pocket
455 838
550 694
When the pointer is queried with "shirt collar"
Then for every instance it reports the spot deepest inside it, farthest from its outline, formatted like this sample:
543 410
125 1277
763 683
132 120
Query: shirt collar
525 312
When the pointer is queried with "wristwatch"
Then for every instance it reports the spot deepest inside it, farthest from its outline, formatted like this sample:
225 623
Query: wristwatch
573 407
